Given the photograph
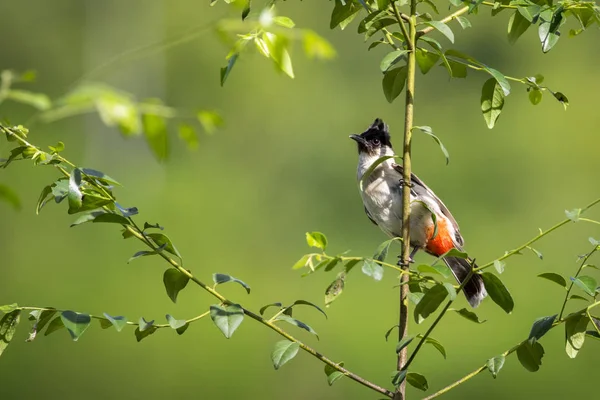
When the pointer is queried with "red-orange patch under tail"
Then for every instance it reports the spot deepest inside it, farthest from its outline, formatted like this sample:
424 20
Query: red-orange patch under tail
442 242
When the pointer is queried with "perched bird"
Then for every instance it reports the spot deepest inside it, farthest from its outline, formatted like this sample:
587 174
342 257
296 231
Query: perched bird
382 197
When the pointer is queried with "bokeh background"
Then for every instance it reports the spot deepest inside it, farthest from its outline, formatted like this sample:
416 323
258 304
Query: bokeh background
281 166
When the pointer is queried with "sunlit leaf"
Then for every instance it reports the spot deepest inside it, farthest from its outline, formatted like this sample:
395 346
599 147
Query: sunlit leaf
316 46
284 351
332 373
299 324
492 101
390 59
372 269
343 13
227 317
575 327
586 283
74 195
210 120
189 136
426 60
175 323
155 131
118 322
442 28
316 239
494 365
573 215
36 100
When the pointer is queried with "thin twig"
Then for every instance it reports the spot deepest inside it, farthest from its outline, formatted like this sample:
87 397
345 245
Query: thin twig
447 19
587 256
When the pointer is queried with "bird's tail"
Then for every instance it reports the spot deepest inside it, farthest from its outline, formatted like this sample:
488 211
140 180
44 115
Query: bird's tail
474 289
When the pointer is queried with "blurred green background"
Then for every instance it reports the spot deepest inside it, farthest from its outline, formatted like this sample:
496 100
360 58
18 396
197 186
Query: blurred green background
283 165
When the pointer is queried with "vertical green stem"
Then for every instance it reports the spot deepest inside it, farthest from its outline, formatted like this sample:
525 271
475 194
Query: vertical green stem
406 160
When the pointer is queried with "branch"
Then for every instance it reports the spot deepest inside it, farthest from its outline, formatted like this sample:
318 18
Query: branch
447 19
138 233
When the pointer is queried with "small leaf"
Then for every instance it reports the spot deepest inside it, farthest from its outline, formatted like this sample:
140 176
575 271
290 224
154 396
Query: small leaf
398 377
54 325
586 283
463 22
530 355
517 25
393 82
575 327
404 342
308 303
442 270
284 351
343 13
299 324
164 242
498 292
470 315
246 9
223 278
494 365
430 302
334 289
210 120
391 59
118 322
492 101
284 21
428 131
227 318
302 262
316 239
142 253
174 282
389 331
556 278
144 330
332 373
577 297
417 380
451 290
535 96
442 28
541 326
562 98
144 325
8 326
437 345
573 215
75 323
175 323
316 46
426 60
225 71
74 195
371 268
264 308
499 265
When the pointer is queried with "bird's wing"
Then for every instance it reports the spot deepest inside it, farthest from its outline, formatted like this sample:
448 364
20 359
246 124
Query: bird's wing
369 215
420 189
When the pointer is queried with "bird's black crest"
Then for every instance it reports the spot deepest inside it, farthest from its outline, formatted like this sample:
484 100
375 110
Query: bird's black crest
378 130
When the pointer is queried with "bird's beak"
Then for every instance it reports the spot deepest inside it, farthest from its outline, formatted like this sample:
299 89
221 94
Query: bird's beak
359 139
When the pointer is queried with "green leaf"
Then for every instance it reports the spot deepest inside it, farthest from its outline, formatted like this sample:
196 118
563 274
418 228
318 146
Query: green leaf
10 196
573 215
393 82
391 59
399 377
561 97
246 9
417 380
428 131
435 343
284 351
530 355
175 282
155 131
144 325
389 331
499 265
278 50
163 240
110 218
463 22
415 297
547 30
142 334
334 289
586 283
264 308
299 324
223 278
430 302
99 176
302 262
382 251
577 297
74 195
8 326
36 100
54 325
371 268
494 365
535 96
517 25
470 315
492 101
498 292
142 253
308 303
442 28
500 78
45 196
189 136
210 121
316 239
435 269
575 327
227 318
284 21
405 341
9 308
556 278
226 70
343 13
75 323
426 60
118 322
175 323
41 319
541 326
450 289
332 373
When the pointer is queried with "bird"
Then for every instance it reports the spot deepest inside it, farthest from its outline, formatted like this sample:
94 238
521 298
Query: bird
381 193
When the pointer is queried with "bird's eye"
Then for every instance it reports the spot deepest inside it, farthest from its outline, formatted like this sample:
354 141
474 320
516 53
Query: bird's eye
376 142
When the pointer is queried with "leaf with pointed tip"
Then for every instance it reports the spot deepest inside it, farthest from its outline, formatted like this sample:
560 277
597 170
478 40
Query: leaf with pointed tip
223 278
284 351
492 101
382 251
450 289
9 308
435 343
144 325
554 277
517 25
405 341
74 195
541 326
498 292
119 322
76 323
442 270
392 59
343 13
316 239
99 176
8 326
463 22
417 380
393 82
442 28
111 218
577 297
470 315
163 240
226 70
573 214
44 198
141 335
432 299
308 303
575 327
142 253
536 252
389 331
530 355
87 216
332 373
494 365
227 318
127 212
41 319
174 282
54 325
264 308
586 283
175 323
426 60
398 377
371 268
428 131
299 324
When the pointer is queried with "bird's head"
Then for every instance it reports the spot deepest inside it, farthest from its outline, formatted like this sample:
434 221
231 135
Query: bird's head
375 141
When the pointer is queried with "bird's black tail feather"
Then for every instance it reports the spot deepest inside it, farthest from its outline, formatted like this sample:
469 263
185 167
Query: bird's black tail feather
474 289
